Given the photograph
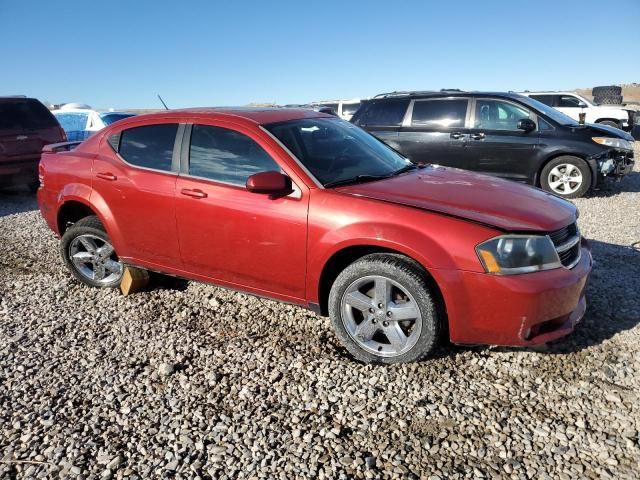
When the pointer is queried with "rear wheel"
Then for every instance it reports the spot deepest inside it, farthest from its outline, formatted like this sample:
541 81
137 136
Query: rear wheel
609 123
383 311
567 176
87 251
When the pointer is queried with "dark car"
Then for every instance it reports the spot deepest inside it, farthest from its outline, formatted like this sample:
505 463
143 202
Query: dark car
502 134
25 127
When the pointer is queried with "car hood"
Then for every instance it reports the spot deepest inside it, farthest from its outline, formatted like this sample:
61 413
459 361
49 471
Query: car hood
503 204
599 129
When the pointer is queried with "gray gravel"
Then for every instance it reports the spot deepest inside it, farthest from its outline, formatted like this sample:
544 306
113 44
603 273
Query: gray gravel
192 381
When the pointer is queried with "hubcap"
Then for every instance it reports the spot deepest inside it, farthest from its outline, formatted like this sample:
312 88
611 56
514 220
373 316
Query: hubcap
565 178
381 316
95 259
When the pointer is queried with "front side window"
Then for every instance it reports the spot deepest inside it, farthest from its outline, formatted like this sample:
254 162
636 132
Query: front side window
439 113
569 101
150 146
336 151
498 115
384 113
226 156
350 108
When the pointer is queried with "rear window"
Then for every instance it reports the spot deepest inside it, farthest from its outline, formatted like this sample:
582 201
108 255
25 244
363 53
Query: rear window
384 113
25 115
439 113
150 146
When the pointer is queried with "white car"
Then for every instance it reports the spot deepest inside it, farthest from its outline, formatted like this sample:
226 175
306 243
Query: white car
573 105
80 121
343 108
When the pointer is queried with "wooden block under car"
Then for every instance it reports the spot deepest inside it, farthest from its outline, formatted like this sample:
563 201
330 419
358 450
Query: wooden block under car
133 280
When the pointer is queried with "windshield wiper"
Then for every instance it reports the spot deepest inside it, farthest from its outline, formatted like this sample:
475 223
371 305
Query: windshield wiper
357 179
406 168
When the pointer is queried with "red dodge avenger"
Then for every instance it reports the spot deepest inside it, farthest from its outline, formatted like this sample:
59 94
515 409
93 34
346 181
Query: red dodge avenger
305 208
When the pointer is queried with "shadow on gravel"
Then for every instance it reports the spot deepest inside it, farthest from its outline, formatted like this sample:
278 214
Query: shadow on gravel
630 183
16 200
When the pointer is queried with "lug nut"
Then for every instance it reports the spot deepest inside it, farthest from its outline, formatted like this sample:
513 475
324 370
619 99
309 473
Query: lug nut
386 324
373 320
379 305
371 310
389 314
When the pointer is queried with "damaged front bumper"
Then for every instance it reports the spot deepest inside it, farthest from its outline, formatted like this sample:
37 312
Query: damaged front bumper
613 163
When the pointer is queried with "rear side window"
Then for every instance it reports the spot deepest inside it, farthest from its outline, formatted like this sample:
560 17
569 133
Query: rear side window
150 146
384 113
25 115
226 156
546 99
439 113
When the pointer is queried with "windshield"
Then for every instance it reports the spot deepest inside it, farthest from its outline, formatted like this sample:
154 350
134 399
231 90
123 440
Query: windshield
335 151
555 115
109 118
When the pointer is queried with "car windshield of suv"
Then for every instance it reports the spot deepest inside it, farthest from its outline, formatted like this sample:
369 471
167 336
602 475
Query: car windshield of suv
337 152
25 115
109 118
550 112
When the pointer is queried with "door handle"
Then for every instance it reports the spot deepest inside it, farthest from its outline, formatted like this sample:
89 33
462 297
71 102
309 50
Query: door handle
106 176
195 193
457 135
477 136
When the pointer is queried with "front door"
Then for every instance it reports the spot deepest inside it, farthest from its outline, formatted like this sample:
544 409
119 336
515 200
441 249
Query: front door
496 145
229 235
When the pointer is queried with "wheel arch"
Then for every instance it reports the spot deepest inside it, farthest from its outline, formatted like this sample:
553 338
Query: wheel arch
608 119
591 163
347 255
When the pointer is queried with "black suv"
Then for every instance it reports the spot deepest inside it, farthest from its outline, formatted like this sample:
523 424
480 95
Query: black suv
502 134
25 127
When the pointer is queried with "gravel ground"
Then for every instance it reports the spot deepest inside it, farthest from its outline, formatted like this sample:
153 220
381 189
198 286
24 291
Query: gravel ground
192 381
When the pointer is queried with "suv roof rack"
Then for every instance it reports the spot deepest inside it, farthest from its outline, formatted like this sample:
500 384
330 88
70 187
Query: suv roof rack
13 96
414 93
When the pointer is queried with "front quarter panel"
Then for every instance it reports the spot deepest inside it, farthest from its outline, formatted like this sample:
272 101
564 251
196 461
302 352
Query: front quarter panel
438 242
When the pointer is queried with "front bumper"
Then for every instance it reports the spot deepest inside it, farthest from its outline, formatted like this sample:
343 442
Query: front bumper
516 310
614 163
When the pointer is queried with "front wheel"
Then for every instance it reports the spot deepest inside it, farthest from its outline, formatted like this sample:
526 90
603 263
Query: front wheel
567 176
610 123
87 251
383 310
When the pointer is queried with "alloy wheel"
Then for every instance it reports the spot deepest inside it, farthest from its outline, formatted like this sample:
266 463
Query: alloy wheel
565 179
381 316
95 259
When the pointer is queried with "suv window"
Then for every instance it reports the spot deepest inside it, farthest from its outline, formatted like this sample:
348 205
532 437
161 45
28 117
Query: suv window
387 112
568 101
498 115
21 114
226 156
546 99
350 108
149 146
439 113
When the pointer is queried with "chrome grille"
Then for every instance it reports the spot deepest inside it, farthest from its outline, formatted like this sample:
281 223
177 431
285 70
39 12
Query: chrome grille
567 243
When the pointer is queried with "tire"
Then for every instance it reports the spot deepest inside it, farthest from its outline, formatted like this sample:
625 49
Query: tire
87 252
362 326
609 90
608 100
553 179
609 123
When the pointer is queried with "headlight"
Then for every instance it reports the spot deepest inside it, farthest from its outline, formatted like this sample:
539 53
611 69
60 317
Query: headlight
613 142
513 254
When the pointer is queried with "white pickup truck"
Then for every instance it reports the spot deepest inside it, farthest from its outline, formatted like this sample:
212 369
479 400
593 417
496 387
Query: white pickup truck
572 104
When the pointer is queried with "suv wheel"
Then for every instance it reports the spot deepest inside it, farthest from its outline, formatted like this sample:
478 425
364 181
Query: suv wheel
87 251
382 310
567 176
610 123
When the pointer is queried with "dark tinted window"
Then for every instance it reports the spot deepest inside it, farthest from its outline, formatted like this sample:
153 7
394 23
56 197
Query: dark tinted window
569 101
543 124
439 113
109 118
22 114
150 146
387 112
226 156
546 99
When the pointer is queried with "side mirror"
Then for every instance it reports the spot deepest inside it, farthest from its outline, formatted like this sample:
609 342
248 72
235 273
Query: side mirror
526 124
582 105
274 183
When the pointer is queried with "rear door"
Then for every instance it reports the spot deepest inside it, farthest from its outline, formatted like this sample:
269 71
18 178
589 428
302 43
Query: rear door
383 118
434 131
496 146
135 176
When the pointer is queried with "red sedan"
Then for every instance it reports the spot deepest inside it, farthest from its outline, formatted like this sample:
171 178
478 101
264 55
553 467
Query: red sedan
306 208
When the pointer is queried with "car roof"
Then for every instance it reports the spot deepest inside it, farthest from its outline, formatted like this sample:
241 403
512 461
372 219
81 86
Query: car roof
444 93
256 115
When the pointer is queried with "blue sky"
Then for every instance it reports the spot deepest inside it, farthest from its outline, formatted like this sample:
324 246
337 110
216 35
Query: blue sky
202 53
